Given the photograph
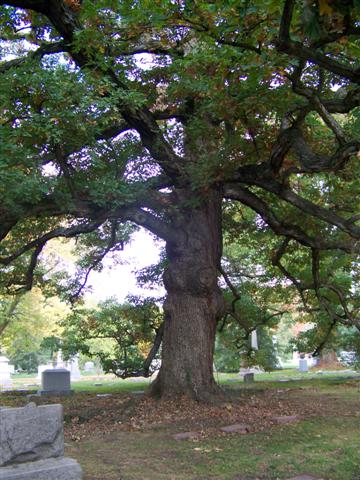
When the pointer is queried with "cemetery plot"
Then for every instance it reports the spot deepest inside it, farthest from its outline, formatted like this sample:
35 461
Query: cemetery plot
262 430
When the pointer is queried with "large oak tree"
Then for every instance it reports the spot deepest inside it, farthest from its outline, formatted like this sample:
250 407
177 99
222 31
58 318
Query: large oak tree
166 114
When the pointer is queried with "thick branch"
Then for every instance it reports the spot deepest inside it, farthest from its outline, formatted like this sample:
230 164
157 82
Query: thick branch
285 193
325 339
154 349
146 219
299 50
46 49
280 227
300 287
234 291
58 232
329 120
10 313
29 277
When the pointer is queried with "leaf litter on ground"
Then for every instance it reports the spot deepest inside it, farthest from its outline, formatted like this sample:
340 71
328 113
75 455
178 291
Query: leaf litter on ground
86 414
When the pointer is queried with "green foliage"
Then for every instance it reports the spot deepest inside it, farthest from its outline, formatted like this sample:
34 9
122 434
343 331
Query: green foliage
233 350
261 297
262 289
29 361
146 98
26 323
52 344
119 334
266 356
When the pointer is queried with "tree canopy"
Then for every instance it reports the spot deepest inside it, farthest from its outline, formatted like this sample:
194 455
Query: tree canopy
190 119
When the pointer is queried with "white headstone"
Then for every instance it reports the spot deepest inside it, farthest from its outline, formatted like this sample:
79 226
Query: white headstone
89 366
41 368
59 360
5 374
303 365
73 366
254 340
245 371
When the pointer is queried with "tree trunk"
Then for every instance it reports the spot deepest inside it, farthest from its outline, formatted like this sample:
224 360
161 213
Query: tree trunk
194 301
328 360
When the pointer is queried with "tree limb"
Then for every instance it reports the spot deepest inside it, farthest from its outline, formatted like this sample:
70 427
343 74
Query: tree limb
45 49
285 193
298 50
98 259
146 219
10 313
58 232
280 227
154 349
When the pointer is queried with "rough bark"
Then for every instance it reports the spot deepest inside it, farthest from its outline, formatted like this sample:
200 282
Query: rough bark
328 360
194 301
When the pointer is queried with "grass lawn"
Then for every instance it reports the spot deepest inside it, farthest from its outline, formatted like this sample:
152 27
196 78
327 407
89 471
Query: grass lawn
304 426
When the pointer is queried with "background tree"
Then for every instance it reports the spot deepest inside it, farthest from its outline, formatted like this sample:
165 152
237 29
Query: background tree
166 114
33 319
120 335
8 311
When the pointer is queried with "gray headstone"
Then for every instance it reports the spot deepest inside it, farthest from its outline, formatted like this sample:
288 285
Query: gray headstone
51 469
30 433
56 381
248 378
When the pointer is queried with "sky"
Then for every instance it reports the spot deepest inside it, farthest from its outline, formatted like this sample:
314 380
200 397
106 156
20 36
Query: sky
119 280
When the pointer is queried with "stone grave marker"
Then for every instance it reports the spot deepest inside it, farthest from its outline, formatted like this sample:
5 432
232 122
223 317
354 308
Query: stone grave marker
187 436
248 378
59 362
236 428
32 445
56 382
286 419
303 365
73 366
5 374
89 367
